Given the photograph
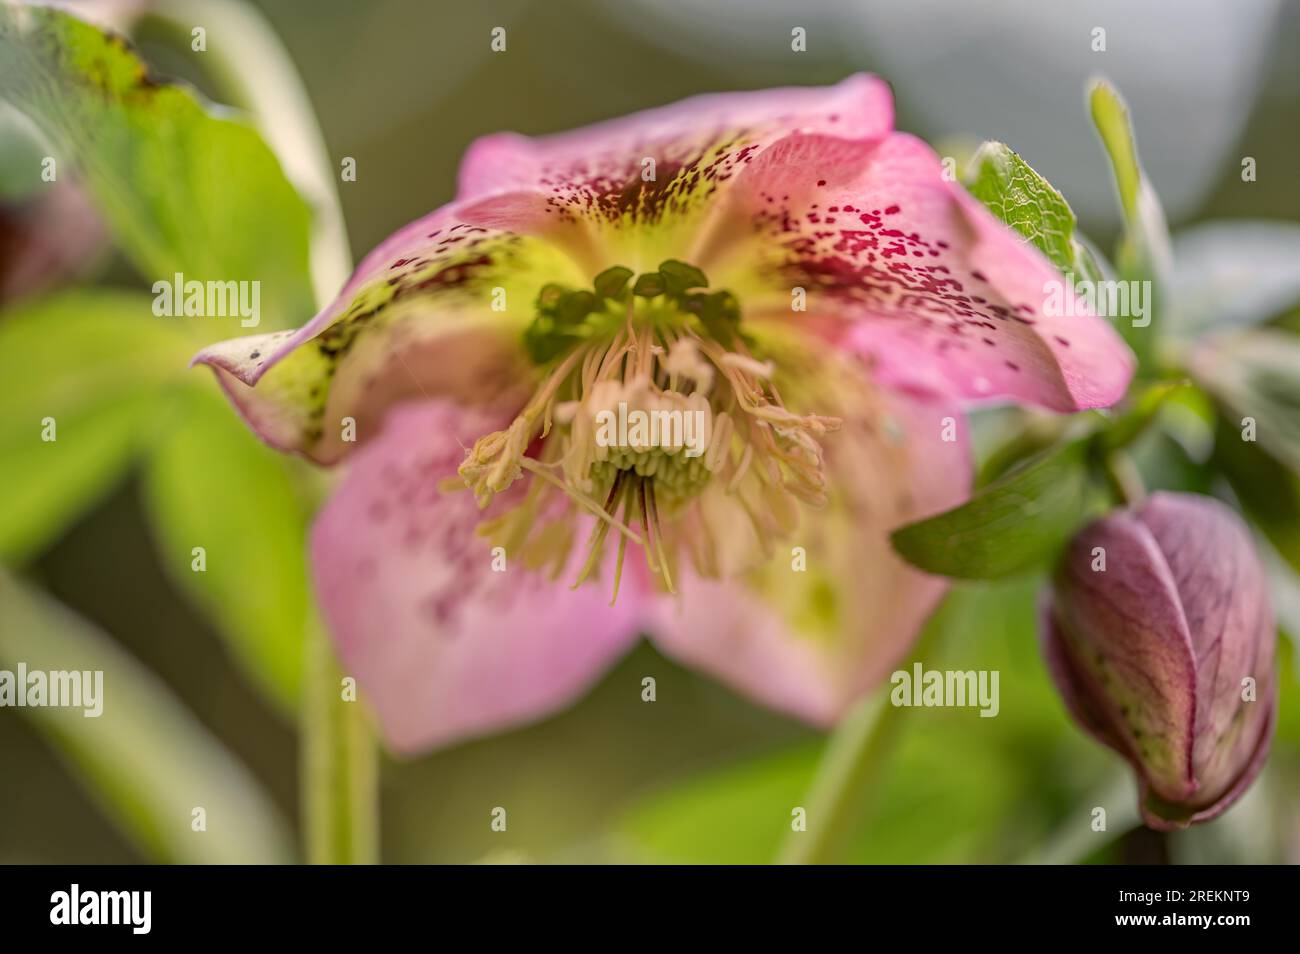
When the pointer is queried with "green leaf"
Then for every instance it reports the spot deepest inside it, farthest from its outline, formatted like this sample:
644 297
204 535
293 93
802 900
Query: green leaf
1034 432
1011 189
1016 522
1003 437
734 815
87 369
209 483
1256 374
1268 491
1144 250
957 788
1110 115
1162 460
20 157
185 187
146 759
1138 415
941 803
1234 273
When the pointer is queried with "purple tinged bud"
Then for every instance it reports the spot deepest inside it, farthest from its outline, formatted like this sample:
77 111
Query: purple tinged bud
1160 636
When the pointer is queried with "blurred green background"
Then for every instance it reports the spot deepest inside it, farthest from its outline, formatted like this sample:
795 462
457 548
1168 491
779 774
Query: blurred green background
701 775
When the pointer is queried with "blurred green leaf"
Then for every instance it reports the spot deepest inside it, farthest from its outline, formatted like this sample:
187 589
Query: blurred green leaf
210 483
1286 594
1110 116
1268 491
1145 245
1075 841
958 788
1256 374
1011 189
932 811
1027 433
1144 250
1138 414
93 362
1003 437
20 157
1164 463
185 188
147 760
1234 273
735 815
1014 523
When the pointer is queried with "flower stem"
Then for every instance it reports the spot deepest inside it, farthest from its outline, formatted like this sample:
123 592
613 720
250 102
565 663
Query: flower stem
850 770
840 790
1075 840
1123 478
338 765
337 769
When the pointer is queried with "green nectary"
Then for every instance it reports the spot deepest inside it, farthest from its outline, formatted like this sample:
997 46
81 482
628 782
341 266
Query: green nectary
567 316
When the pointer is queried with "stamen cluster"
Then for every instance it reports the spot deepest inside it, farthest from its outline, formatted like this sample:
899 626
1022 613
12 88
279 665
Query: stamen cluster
655 350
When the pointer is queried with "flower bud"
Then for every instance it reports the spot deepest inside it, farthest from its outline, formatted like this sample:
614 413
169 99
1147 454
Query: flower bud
1160 636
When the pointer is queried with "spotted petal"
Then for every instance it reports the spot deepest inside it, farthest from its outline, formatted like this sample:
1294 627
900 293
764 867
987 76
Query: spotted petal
642 186
446 641
435 310
912 271
810 640
683 181
459 285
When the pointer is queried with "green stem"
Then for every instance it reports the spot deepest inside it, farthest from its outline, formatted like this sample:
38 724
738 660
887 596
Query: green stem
850 770
1123 478
338 762
840 791
338 765
1075 840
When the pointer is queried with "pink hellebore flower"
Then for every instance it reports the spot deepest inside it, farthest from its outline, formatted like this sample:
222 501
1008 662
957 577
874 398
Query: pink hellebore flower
781 268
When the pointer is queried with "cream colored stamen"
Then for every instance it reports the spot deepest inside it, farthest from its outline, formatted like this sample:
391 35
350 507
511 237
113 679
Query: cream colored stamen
705 417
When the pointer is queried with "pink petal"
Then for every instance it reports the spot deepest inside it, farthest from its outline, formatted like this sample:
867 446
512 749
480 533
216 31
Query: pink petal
562 208
1083 699
1151 653
922 278
1230 620
444 647
1124 628
599 162
1077 688
1253 766
810 643
643 185
415 320
529 212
